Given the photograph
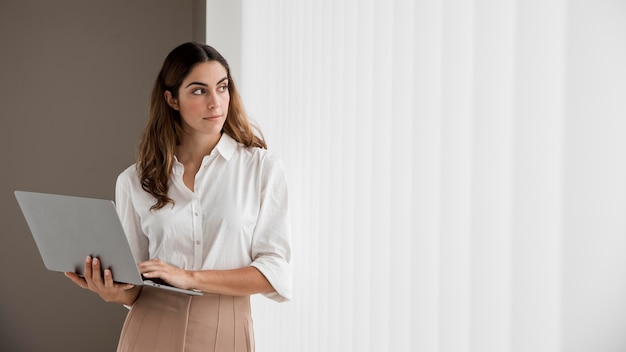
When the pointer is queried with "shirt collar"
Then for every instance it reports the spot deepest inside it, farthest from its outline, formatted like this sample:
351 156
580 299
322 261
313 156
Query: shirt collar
225 147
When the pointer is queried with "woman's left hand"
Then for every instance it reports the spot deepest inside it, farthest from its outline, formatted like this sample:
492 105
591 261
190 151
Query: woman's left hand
156 268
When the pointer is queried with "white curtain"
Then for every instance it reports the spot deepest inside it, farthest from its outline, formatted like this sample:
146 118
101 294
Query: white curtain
457 171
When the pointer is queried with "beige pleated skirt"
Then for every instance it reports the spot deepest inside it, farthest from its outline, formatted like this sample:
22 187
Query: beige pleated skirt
166 321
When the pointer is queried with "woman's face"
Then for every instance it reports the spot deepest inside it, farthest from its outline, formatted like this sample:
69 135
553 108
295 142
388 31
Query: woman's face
203 99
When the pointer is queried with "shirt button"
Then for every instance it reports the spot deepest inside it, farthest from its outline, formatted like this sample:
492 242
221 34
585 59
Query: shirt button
196 213
198 242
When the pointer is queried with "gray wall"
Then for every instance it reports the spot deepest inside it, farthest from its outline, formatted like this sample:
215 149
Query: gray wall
75 78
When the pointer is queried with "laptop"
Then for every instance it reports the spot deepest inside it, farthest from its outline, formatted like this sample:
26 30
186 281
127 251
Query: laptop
67 229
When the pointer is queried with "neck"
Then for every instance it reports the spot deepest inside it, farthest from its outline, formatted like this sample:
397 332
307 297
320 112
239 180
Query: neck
194 148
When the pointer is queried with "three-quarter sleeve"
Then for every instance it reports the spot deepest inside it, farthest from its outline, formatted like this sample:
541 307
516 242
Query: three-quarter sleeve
129 217
271 241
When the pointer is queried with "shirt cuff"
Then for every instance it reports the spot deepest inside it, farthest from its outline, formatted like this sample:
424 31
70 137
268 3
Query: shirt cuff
278 274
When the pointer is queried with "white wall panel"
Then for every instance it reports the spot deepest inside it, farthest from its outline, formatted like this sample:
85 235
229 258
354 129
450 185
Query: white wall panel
440 156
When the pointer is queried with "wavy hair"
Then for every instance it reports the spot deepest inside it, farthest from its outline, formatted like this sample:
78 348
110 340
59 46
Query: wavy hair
164 129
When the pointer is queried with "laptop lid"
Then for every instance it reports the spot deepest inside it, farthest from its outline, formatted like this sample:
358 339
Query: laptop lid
67 229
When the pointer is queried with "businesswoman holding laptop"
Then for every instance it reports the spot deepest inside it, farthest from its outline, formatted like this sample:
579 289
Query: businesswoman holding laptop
204 208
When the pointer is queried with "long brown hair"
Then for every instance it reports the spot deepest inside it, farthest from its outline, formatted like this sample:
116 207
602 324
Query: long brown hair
164 129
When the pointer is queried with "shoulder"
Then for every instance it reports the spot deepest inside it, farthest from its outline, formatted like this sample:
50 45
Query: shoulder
129 172
230 147
129 176
263 158
253 159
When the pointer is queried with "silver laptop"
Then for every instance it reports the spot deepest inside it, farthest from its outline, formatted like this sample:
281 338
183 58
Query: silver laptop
67 229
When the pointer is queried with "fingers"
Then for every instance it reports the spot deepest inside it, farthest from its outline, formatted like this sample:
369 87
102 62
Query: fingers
149 266
109 284
92 273
87 269
94 280
102 283
76 279
96 276
108 278
156 268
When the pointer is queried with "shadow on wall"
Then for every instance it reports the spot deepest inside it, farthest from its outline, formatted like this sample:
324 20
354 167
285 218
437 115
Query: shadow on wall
7 330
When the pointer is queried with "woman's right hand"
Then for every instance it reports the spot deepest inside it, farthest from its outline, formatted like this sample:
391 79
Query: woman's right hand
105 287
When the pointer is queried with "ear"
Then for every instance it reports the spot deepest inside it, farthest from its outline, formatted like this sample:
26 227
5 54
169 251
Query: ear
171 101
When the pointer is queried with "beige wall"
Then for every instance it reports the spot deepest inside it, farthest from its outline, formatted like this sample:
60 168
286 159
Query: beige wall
74 85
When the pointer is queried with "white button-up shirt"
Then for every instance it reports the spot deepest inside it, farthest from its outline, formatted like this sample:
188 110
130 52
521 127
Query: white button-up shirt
236 216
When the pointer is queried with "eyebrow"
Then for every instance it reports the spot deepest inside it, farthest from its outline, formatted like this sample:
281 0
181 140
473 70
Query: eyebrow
204 84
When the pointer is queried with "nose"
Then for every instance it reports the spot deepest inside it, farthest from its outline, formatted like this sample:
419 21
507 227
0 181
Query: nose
212 101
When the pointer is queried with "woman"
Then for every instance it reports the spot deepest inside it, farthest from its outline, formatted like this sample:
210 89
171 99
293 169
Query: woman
205 208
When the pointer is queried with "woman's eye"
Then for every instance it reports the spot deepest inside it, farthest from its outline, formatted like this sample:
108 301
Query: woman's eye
198 91
223 88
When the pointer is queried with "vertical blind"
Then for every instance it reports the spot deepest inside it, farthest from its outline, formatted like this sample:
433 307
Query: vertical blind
439 157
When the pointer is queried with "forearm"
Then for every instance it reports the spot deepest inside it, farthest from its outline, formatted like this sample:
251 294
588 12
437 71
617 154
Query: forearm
237 282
